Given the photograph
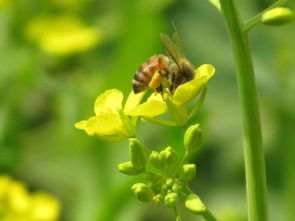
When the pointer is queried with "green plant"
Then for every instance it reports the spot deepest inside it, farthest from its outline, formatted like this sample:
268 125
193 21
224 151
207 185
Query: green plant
163 175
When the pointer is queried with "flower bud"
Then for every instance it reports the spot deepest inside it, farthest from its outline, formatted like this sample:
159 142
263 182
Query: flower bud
187 172
171 199
278 16
193 138
137 152
169 182
143 192
177 187
155 160
158 198
128 168
194 204
168 156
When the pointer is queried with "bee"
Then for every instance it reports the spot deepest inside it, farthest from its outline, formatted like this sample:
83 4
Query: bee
151 74
181 70
159 69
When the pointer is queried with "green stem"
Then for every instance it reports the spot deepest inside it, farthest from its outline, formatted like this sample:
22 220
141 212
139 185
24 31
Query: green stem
249 24
184 159
253 150
208 216
199 103
177 214
160 122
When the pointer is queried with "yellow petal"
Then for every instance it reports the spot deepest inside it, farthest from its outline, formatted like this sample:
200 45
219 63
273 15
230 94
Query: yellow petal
186 92
156 97
106 123
207 70
109 100
44 206
133 100
5 183
150 108
18 197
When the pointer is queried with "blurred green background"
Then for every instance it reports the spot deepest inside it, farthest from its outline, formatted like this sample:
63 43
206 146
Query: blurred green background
56 57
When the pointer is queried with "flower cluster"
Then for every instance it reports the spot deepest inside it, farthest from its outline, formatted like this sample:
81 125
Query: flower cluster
166 177
16 203
113 121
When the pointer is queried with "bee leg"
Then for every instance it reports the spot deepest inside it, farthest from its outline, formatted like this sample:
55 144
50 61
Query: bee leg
160 89
171 88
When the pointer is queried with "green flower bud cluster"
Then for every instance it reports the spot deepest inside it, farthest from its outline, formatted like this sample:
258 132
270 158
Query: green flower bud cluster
165 177
164 158
159 187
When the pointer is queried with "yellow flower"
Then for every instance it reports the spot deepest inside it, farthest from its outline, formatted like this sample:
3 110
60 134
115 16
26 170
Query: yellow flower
110 121
62 35
44 207
5 182
18 197
175 104
17 203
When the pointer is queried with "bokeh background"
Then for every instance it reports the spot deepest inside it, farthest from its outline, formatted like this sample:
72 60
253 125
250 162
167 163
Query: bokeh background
57 56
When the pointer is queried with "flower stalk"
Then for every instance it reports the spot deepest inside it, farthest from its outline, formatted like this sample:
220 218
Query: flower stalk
253 150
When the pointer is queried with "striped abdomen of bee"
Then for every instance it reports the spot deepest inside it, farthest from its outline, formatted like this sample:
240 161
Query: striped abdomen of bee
143 78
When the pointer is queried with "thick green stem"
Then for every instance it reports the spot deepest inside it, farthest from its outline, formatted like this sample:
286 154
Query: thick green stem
253 150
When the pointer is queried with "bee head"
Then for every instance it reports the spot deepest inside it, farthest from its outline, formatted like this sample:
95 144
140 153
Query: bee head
187 71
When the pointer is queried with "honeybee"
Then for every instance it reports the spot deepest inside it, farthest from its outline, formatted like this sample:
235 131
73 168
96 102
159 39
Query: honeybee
160 68
151 74
181 70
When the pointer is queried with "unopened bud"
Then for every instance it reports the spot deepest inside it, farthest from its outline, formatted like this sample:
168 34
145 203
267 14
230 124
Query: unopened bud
143 192
278 16
194 204
137 153
158 198
177 187
187 172
171 199
156 160
128 168
169 182
193 138
168 156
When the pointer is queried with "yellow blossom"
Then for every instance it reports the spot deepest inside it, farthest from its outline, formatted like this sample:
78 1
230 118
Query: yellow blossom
17 203
110 121
44 207
175 103
18 197
62 35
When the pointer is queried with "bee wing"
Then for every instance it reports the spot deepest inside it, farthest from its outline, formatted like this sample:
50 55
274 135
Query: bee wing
177 40
171 48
